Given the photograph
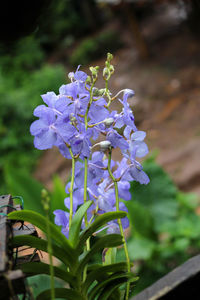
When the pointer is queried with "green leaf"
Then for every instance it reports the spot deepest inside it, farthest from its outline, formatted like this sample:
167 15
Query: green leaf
40 283
35 268
97 224
60 293
115 280
41 244
76 223
110 256
41 222
107 241
97 274
108 291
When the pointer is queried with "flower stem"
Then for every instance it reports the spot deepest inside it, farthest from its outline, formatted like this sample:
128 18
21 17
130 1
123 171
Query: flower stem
120 223
85 186
45 202
71 188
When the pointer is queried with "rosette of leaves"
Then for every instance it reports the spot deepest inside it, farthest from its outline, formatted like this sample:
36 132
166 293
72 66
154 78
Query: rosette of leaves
85 281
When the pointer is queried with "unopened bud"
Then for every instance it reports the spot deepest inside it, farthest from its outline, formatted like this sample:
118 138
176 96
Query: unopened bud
72 117
108 122
97 92
71 75
94 71
109 56
45 199
130 92
112 69
104 145
106 72
88 80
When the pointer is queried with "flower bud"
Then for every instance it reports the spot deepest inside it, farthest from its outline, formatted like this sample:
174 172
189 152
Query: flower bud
109 56
106 72
88 80
97 92
71 75
108 122
94 71
112 69
72 117
104 145
130 92
45 199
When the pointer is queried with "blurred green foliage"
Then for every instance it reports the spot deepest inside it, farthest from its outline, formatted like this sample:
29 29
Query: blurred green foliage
164 226
23 78
95 47
20 182
65 20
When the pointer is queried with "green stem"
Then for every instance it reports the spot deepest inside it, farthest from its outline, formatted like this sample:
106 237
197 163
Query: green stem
71 188
89 104
107 93
120 223
50 259
85 187
85 175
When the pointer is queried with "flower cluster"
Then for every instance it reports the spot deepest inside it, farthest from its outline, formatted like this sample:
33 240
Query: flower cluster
79 122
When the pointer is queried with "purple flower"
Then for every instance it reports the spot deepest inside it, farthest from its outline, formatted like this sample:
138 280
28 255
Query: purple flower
95 170
113 226
50 99
77 198
137 173
81 143
137 147
63 123
126 116
44 130
116 140
62 219
97 111
78 98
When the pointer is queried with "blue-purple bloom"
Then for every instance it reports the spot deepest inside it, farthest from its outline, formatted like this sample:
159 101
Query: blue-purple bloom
62 123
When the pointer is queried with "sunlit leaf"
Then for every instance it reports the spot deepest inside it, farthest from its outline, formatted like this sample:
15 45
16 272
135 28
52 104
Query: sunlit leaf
97 224
107 241
76 223
41 222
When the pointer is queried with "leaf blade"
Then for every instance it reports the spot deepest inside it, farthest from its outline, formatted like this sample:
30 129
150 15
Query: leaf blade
36 268
40 221
77 221
98 222
41 244
107 241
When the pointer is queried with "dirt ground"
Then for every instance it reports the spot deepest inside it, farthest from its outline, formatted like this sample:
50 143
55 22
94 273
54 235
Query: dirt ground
166 102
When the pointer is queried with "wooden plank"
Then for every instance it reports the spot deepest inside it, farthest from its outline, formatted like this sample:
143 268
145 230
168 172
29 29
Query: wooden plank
182 283
5 230
27 229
